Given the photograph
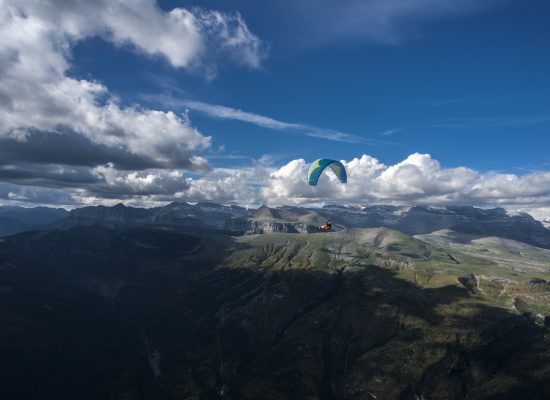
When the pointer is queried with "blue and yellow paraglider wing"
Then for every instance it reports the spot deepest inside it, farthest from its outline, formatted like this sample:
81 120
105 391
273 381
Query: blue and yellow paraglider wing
318 166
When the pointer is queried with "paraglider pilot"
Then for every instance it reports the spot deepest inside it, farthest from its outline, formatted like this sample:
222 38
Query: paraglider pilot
327 226
316 169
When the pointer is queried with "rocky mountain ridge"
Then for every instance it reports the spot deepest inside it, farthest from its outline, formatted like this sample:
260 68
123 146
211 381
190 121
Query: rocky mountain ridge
238 220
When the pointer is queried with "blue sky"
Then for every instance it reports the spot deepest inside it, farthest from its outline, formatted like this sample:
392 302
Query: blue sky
470 89
426 101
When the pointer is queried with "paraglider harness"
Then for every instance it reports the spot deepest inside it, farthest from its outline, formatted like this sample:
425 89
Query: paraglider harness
327 226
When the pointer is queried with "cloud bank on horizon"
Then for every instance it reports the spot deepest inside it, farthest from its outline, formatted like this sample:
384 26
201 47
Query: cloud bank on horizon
419 179
66 140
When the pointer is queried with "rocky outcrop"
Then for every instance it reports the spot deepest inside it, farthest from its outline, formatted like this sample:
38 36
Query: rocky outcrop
252 227
271 227
470 282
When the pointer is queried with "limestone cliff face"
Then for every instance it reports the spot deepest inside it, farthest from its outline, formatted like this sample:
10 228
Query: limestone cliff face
272 227
252 227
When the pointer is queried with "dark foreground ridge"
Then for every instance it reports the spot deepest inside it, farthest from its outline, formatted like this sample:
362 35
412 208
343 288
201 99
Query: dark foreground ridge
144 313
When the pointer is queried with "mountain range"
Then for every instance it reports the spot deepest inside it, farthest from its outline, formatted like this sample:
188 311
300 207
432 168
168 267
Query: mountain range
15 219
205 301
238 220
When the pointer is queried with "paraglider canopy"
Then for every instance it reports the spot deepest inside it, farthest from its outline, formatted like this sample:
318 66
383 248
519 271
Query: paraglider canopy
318 166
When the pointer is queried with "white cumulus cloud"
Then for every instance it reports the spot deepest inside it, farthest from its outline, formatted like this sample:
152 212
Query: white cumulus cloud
419 179
37 93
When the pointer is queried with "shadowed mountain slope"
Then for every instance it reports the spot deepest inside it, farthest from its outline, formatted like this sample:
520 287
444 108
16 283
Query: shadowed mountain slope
15 219
144 313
